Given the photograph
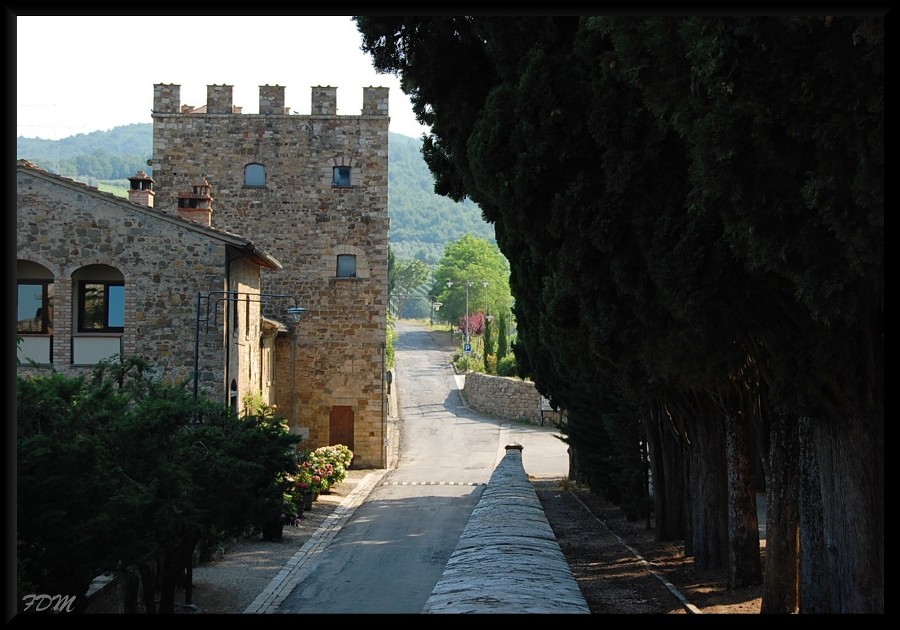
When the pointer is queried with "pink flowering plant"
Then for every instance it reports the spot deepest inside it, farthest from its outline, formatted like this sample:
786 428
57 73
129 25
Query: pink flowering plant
291 513
339 457
317 471
311 475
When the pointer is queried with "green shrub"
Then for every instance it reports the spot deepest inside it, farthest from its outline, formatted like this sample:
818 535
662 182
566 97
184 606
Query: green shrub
507 366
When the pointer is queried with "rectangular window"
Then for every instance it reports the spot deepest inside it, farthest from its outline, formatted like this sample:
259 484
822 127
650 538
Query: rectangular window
35 307
255 175
101 306
346 266
341 177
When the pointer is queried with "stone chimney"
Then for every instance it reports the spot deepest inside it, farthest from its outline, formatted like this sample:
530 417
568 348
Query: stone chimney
196 205
141 189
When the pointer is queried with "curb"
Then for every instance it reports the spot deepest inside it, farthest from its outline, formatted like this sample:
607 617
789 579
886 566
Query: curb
296 570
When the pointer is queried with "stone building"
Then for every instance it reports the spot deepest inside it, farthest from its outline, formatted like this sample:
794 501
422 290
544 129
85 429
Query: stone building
100 276
313 190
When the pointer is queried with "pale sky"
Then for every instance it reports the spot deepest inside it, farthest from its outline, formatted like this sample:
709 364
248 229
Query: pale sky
78 74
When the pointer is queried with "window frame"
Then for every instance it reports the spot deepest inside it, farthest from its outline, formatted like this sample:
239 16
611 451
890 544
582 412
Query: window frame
338 273
255 167
45 307
82 304
337 177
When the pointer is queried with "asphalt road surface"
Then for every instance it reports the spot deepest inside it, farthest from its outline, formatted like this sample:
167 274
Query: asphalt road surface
389 555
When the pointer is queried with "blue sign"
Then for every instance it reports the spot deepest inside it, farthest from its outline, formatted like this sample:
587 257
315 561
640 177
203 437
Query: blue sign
468 348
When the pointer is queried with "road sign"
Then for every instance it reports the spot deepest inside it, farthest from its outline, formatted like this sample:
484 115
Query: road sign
468 348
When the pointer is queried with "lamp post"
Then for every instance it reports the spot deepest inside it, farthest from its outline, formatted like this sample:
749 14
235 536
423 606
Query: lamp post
296 312
484 283
468 284
435 305
450 284
211 301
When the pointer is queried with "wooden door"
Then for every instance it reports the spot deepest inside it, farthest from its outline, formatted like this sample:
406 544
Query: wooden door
341 426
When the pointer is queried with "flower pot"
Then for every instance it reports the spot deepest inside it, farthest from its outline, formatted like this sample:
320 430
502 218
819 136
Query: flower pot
273 531
307 501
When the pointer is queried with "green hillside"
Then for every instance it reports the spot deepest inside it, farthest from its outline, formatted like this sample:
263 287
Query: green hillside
422 223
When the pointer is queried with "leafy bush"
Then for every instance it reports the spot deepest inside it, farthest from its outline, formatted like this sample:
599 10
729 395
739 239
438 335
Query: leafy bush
121 470
507 366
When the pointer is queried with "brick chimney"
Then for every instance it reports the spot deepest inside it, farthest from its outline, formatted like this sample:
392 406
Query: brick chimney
196 205
141 189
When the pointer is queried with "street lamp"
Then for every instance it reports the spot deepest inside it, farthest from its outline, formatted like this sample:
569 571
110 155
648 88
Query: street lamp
296 312
435 305
450 284
484 283
468 284
211 300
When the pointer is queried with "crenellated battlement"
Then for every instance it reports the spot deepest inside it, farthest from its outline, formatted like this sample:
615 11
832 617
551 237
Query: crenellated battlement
219 100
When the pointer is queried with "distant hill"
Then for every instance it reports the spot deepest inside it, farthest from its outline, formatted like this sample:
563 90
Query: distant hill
422 223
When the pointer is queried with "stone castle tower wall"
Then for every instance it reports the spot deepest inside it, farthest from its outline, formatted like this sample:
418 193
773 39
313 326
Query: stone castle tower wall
305 221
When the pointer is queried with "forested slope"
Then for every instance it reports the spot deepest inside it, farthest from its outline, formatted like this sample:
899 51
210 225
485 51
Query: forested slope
422 222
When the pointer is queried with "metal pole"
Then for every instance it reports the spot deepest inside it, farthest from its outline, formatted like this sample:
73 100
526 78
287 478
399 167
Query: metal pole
294 372
468 284
197 348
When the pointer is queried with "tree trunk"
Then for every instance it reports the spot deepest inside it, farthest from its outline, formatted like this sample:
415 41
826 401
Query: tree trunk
573 464
814 579
667 475
148 586
171 574
849 452
781 446
744 566
132 583
708 487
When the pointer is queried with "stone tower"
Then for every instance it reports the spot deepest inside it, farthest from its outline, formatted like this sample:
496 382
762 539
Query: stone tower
313 191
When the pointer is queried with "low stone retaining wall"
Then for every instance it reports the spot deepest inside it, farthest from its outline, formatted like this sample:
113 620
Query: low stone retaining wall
508 559
507 398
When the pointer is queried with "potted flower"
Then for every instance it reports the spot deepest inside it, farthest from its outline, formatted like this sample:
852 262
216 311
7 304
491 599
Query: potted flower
334 460
288 513
310 478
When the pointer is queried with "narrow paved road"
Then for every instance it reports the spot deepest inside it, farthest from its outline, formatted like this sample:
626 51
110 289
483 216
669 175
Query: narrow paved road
393 550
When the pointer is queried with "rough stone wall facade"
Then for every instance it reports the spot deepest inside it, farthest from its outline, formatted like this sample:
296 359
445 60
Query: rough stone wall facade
304 220
62 225
245 362
505 397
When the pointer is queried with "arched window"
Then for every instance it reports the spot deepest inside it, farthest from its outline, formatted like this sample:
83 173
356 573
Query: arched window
346 266
34 308
255 175
34 302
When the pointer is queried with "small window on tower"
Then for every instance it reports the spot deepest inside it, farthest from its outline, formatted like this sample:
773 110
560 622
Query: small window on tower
346 266
255 175
341 177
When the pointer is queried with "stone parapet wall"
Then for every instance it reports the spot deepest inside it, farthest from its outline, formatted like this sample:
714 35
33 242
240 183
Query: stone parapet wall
505 397
508 559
